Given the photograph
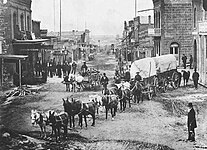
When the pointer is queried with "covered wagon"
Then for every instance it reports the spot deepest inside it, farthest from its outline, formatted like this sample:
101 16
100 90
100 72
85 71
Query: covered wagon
157 73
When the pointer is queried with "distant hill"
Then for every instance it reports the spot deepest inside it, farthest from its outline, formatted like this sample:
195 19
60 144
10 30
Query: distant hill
104 39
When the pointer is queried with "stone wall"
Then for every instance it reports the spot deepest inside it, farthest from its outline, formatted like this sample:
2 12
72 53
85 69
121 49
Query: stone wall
177 26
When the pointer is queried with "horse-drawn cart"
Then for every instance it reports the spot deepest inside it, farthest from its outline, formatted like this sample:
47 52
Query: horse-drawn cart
91 79
157 73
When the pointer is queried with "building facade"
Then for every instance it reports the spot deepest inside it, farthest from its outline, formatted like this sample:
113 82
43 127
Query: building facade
173 27
180 28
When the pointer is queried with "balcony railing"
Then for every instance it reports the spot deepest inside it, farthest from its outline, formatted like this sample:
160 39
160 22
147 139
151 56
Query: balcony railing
154 32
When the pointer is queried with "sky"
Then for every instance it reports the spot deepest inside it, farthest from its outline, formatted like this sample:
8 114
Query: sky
101 17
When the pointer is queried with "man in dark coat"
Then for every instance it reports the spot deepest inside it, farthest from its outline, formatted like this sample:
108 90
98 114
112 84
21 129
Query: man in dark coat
184 59
84 69
68 68
191 123
138 77
74 66
59 67
191 61
104 81
195 79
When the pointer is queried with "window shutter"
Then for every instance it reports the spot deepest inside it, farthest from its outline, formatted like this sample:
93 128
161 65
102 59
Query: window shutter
205 5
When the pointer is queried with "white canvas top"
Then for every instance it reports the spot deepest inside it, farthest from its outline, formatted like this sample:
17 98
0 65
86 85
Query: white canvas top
165 62
146 68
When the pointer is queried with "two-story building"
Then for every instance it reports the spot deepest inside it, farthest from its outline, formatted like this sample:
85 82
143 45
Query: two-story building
180 28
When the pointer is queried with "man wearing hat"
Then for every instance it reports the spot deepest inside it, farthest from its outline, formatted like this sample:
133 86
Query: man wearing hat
138 77
84 69
191 123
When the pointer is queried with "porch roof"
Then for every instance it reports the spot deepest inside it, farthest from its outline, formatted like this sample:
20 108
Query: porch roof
16 57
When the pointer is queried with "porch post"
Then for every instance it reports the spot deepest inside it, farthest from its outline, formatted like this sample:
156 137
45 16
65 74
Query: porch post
2 72
20 74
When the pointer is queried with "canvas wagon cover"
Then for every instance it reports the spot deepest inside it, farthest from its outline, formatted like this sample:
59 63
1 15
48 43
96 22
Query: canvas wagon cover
145 66
165 63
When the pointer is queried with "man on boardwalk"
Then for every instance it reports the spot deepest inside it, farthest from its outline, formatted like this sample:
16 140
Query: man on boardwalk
184 59
195 78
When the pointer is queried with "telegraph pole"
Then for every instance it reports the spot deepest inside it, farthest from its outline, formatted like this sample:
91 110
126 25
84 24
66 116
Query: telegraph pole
54 13
60 19
135 8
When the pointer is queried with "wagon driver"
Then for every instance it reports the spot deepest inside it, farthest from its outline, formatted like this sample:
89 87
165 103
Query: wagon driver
104 81
138 77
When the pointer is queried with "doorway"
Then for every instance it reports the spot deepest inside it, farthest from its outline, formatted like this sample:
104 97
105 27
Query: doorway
195 54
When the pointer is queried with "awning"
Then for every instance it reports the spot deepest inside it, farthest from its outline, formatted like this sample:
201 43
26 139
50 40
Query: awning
29 44
16 57
36 41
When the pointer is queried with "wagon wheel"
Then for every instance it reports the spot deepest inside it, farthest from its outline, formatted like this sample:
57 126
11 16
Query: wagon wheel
175 80
150 92
156 86
165 85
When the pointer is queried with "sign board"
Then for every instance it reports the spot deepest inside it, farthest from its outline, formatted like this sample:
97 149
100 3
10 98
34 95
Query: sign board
154 32
177 1
202 28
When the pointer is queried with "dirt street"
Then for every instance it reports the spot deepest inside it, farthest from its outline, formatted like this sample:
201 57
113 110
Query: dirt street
143 126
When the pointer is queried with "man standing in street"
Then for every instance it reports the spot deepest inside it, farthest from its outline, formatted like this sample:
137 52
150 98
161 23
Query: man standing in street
184 59
74 66
191 61
191 123
195 79
104 81
84 69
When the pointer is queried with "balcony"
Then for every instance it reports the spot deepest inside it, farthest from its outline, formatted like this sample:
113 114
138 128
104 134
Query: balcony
156 32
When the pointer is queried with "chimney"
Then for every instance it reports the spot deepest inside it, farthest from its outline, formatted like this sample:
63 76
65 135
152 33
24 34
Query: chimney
149 19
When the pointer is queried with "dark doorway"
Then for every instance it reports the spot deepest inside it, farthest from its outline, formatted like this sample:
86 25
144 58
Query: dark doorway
195 54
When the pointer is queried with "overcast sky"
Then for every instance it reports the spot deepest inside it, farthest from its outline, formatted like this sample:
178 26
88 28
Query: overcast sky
105 17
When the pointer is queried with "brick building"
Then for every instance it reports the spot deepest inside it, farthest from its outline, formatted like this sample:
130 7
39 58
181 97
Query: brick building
173 27
180 28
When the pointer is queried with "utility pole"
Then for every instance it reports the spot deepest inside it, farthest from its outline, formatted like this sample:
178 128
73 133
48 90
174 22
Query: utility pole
54 13
60 19
135 8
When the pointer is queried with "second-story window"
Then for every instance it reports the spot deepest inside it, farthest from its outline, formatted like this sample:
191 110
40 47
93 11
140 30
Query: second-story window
28 23
22 22
14 22
194 18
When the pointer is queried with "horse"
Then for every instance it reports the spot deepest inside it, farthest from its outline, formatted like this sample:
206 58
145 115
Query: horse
58 121
136 90
110 102
41 119
186 76
72 108
111 91
87 109
96 99
124 95
78 108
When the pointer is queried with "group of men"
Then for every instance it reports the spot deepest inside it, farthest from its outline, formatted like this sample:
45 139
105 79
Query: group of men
65 68
184 59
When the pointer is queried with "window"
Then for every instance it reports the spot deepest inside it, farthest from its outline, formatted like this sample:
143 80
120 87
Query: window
174 47
14 22
28 23
194 18
22 22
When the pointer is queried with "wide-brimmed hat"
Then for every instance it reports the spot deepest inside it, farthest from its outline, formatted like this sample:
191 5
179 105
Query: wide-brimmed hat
190 105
